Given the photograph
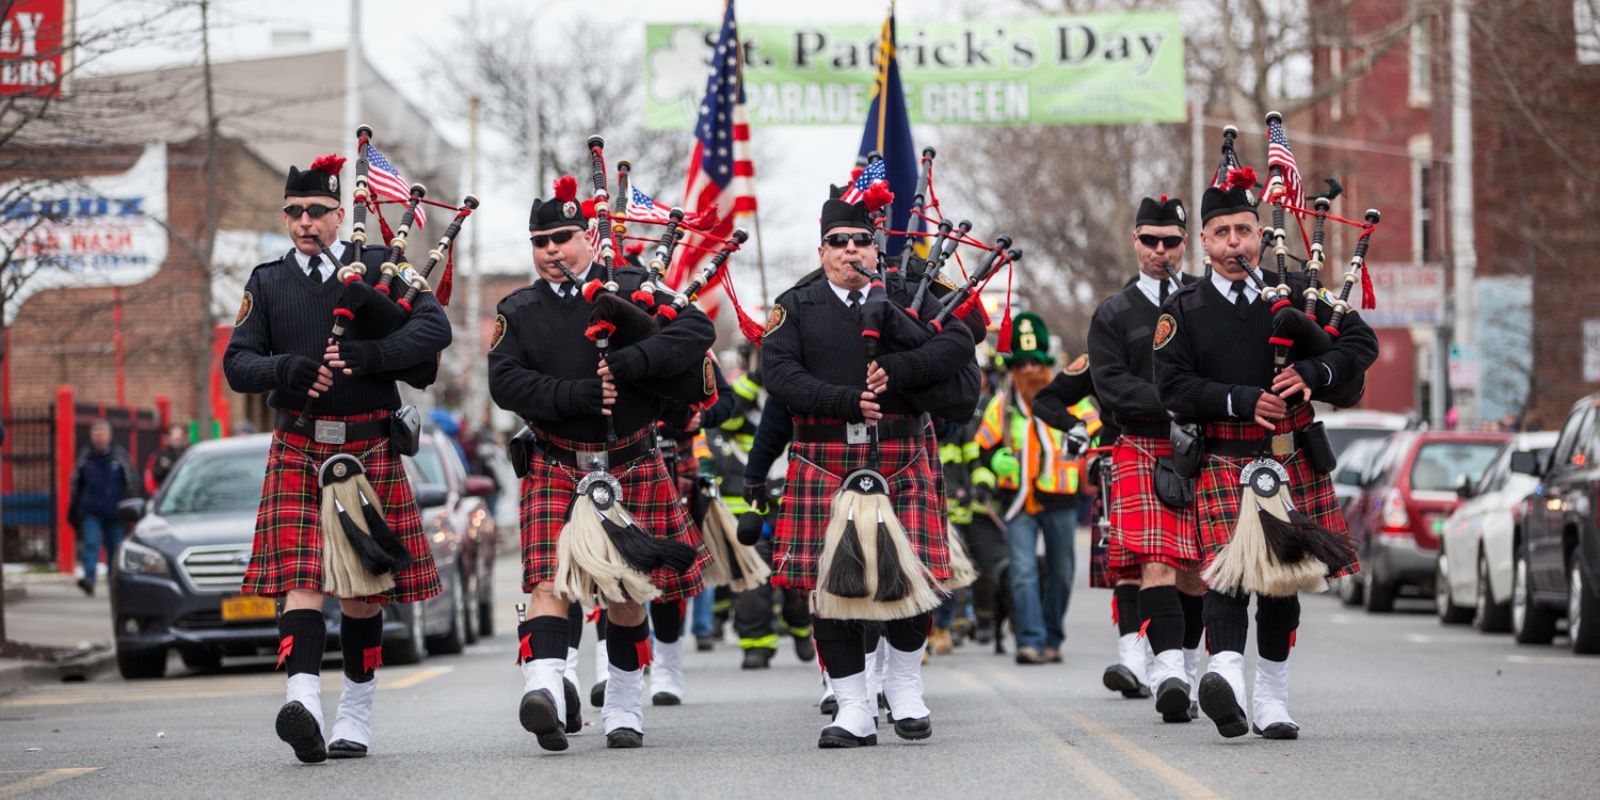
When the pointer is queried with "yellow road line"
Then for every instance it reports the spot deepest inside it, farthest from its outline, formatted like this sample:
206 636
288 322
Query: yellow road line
199 689
1185 784
408 681
1100 782
40 781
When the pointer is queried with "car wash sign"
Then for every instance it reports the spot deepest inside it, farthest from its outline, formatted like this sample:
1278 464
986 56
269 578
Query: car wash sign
35 47
107 230
1082 69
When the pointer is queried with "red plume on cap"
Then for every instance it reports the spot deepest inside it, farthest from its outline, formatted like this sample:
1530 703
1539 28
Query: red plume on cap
878 196
855 173
566 188
1241 177
330 163
633 248
587 205
1163 198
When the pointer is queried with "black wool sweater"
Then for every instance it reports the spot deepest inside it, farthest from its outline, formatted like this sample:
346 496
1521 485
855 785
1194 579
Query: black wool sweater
1214 354
287 314
543 368
1120 357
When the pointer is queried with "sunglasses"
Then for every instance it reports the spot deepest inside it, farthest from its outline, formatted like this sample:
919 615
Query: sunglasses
543 240
315 211
838 240
1150 240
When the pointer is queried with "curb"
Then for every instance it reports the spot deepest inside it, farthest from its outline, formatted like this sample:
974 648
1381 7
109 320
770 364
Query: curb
20 674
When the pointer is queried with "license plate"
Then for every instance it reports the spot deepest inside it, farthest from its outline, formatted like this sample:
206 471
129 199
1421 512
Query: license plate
246 608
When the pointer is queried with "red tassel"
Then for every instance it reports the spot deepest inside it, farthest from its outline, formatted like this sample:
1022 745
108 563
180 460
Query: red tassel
643 651
752 330
600 329
331 163
447 283
285 647
566 188
1369 299
525 650
1143 628
594 614
371 658
591 289
1292 636
383 224
1004 347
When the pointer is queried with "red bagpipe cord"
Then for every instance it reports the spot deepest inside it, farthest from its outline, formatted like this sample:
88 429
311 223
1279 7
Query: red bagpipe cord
1369 298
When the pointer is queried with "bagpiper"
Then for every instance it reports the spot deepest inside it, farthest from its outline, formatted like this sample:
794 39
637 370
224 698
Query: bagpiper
334 478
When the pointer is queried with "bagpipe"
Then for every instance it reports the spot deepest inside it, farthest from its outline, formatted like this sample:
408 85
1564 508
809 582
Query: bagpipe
1276 550
602 551
361 553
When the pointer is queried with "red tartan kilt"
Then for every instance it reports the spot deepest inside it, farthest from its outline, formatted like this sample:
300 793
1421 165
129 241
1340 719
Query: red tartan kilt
1218 491
815 472
287 553
649 493
1145 530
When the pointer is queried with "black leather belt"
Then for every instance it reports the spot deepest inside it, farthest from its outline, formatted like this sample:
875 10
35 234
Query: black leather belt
1147 428
858 432
332 431
591 459
1279 445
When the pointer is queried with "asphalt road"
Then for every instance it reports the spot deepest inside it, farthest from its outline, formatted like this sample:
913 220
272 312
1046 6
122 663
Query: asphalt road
1389 706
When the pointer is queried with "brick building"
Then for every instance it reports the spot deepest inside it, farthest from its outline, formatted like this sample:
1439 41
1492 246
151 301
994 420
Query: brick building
1518 328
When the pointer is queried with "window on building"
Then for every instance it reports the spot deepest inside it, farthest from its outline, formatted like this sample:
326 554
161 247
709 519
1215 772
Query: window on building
1424 199
1586 23
1425 212
1336 66
1421 92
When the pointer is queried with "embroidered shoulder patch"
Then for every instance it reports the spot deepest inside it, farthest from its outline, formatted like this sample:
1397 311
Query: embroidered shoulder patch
1166 328
1079 365
499 331
246 305
775 318
708 378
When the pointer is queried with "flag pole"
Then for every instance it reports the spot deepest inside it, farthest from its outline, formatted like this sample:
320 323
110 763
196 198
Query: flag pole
755 215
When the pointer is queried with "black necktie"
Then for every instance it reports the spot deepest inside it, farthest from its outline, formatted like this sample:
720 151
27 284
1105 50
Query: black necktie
1242 302
1163 295
855 304
316 268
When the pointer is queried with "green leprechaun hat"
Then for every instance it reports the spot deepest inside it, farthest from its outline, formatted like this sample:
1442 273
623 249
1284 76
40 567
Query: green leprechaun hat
1030 341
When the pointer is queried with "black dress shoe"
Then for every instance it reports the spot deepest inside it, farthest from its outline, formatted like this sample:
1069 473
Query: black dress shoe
624 739
914 729
86 585
1172 700
1278 730
574 706
757 658
665 699
300 730
837 738
829 706
344 748
538 716
597 694
1119 678
1219 703
805 648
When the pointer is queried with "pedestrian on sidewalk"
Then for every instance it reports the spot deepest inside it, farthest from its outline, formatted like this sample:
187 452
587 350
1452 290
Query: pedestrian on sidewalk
102 478
173 443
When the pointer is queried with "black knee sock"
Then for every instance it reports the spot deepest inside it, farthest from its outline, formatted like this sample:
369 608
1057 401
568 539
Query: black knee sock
600 626
910 633
1125 604
302 637
542 637
1163 617
628 646
361 641
1276 621
840 647
666 616
1194 621
574 625
1227 619
871 633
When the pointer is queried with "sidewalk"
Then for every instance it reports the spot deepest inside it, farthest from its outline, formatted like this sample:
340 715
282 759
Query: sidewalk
48 609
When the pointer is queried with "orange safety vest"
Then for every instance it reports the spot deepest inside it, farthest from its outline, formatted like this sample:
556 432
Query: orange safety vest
1046 466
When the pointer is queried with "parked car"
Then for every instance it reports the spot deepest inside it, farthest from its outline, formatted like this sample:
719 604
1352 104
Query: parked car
1555 568
178 574
1474 567
1356 464
1397 520
1346 427
458 520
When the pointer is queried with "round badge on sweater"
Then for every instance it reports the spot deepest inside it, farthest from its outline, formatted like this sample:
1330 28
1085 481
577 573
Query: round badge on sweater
775 318
246 305
499 331
1166 328
1079 365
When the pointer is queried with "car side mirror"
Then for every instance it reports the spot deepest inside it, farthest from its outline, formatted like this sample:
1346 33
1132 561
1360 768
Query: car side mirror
130 511
1525 463
1350 477
431 496
1463 487
479 486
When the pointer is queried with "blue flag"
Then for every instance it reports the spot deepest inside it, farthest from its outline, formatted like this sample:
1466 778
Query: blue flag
889 133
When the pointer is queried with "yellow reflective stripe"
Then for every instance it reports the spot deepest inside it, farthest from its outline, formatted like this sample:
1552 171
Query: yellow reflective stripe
989 429
802 632
1086 412
950 454
736 505
982 476
732 423
770 642
746 387
970 451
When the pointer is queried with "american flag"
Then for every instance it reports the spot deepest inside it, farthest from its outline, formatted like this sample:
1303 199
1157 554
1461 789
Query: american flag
721 183
1278 153
385 180
876 171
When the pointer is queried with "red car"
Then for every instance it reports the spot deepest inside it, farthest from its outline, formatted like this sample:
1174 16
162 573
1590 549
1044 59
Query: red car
1405 498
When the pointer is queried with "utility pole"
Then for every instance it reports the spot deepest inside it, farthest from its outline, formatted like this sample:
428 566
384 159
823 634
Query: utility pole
475 410
352 73
208 236
1463 242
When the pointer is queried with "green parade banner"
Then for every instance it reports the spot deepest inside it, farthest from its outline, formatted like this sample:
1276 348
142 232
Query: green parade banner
1081 69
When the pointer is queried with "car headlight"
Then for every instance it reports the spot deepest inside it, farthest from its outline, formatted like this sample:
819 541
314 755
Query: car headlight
141 560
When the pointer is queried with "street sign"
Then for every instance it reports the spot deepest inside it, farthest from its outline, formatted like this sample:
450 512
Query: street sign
1408 294
35 52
